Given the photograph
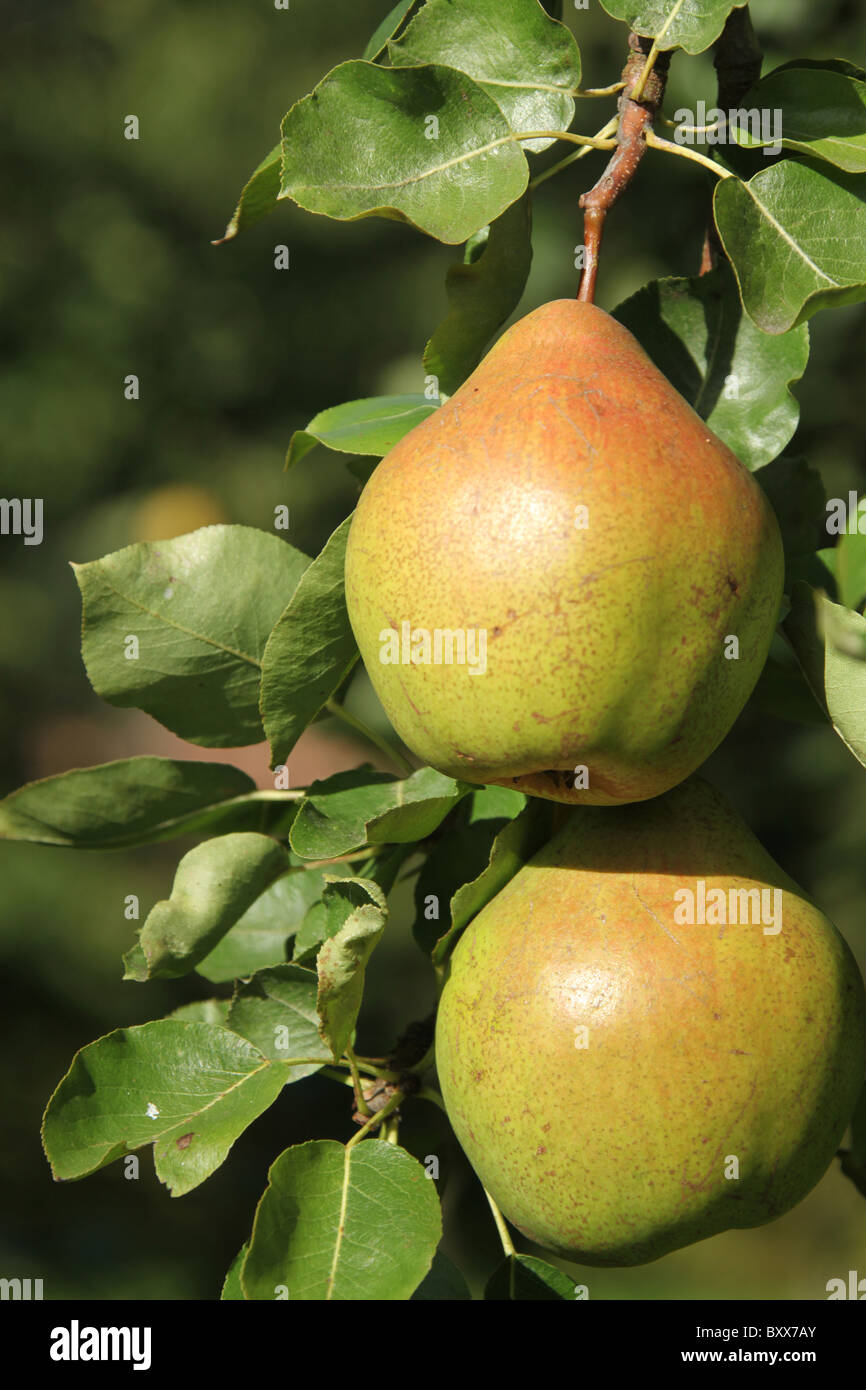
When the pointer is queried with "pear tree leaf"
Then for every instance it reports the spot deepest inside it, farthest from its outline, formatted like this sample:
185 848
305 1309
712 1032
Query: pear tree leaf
276 1012
689 24
190 1089
796 492
214 885
258 197
203 1011
232 1288
134 801
360 908
261 936
796 238
310 651
393 21
483 289
340 1223
736 377
178 628
370 426
459 855
823 114
829 642
781 689
531 69
352 809
516 843
423 145
854 1161
444 1283
522 1278
850 561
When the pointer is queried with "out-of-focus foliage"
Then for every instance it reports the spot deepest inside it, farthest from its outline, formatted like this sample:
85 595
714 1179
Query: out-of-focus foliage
107 270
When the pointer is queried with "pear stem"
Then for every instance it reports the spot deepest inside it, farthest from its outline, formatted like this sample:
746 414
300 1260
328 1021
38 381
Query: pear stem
507 1243
645 72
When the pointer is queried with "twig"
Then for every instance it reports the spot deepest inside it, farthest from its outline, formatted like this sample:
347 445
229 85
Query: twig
737 60
634 119
655 142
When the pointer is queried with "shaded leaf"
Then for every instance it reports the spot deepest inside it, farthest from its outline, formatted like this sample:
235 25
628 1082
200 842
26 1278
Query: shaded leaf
190 1089
483 289
823 114
736 377
444 1282
200 609
517 842
524 1277
796 492
310 651
258 197
340 1223
214 885
819 632
393 20
276 1012
357 909
133 801
689 24
531 68
260 938
351 809
423 145
796 237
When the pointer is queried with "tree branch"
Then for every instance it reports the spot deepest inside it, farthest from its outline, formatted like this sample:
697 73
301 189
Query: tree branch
635 117
737 60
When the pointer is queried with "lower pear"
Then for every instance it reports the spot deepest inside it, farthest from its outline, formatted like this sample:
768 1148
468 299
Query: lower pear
651 1035
562 580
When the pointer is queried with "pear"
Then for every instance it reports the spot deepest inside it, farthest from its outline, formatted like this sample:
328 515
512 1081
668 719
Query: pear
561 580
630 1060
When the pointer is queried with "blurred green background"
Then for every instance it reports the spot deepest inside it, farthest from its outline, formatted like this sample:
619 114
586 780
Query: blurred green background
106 269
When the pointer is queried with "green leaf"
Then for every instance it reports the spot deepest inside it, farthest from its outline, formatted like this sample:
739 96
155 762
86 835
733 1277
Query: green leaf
310 651
531 70
689 24
359 906
796 237
796 492
190 1089
276 1012
370 426
483 289
422 145
337 1223
199 609
525 1278
444 1282
383 32
134 801
460 855
232 1287
781 689
850 561
260 938
736 377
352 809
517 842
258 197
829 642
203 1011
823 114
214 885
854 1162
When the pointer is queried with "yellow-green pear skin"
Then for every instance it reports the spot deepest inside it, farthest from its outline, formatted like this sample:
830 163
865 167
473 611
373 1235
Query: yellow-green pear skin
625 1082
624 568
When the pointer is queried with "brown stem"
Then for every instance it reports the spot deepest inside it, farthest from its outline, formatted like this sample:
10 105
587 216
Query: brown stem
634 118
737 61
